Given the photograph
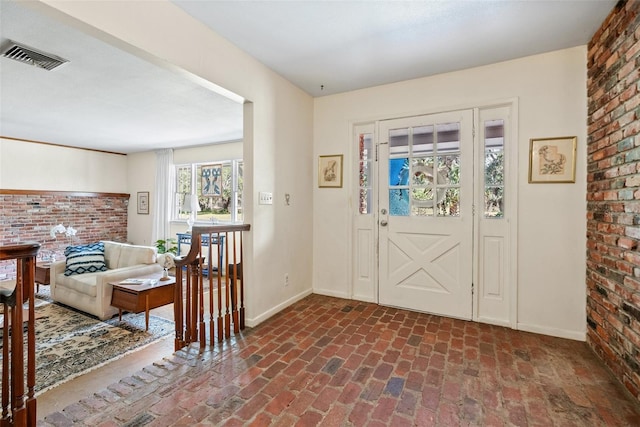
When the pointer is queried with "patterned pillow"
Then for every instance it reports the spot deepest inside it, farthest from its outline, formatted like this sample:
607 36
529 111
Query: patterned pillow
85 259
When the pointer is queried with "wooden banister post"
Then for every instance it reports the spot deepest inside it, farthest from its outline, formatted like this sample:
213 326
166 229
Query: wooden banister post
18 407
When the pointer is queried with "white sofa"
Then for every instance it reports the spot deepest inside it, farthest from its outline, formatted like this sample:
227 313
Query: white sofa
91 292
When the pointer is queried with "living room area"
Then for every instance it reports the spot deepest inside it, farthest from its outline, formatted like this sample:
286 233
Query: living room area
77 194
76 343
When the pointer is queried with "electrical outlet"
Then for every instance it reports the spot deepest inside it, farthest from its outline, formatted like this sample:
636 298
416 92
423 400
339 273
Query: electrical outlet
286 279
265 198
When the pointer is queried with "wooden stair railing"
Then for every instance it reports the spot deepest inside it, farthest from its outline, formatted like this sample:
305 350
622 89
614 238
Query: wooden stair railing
18 409
226 283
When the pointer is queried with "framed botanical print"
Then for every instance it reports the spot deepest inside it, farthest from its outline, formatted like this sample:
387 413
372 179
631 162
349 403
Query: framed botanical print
330 171
552 160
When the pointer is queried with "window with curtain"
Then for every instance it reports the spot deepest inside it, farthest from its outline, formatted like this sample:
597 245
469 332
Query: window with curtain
217 186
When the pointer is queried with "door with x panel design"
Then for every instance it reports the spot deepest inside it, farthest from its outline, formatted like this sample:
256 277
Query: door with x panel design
425 213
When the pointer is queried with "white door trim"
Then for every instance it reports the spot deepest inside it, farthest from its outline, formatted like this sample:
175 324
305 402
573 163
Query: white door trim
511 190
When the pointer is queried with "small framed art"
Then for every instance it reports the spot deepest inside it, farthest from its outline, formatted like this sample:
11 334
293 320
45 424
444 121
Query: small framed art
552 160
330 171
143 202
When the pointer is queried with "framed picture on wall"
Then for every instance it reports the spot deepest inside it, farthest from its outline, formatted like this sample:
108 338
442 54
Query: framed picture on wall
330 171
143 202
552 160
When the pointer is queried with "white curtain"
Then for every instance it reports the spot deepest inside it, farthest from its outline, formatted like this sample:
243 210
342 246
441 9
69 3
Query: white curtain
165 189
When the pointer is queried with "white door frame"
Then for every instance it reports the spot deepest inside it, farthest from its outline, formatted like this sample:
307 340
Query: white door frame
368 290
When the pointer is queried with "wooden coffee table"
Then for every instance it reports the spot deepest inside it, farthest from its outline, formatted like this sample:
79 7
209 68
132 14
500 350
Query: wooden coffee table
138 298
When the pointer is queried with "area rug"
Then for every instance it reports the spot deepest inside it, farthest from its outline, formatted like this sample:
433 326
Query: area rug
70 343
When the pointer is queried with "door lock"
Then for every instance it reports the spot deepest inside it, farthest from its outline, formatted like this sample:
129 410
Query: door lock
383 211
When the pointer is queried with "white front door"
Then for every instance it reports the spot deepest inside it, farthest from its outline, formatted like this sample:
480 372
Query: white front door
425 213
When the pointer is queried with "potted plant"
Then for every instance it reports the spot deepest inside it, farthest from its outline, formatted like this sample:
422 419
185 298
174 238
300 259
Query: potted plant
167 246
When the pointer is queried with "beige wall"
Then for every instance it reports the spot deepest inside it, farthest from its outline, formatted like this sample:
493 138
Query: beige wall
208 153
551 94
277 136
32 166
141 168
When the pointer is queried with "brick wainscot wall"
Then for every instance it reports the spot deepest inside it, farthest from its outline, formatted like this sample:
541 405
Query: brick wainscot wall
30 215
613 194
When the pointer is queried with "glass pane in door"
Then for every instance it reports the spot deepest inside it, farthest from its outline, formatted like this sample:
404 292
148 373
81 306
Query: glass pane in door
399 186
399 202
448 176
398 142
449 170
448 137
422 186
399 171
449 204
422 140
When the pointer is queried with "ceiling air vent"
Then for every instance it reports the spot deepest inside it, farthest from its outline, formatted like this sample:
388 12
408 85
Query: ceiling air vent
31 56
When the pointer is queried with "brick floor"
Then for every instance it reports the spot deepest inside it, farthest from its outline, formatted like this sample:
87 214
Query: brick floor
332 362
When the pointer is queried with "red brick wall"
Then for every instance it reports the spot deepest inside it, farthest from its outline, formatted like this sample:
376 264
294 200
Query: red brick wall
613 194
30 217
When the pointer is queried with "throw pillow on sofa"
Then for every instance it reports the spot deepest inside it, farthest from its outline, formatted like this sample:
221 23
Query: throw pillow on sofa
85 259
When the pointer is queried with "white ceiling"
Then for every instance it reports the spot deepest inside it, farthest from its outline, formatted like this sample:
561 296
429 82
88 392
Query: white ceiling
107 99
347 45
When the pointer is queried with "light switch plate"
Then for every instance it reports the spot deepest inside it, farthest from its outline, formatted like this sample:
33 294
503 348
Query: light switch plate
265 198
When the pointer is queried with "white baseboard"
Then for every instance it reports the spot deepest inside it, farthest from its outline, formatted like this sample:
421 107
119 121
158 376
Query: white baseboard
560 333
496 322
330 293
255 321
365 298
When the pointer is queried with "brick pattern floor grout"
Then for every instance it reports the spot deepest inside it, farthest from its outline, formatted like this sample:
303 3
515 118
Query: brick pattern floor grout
332 362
